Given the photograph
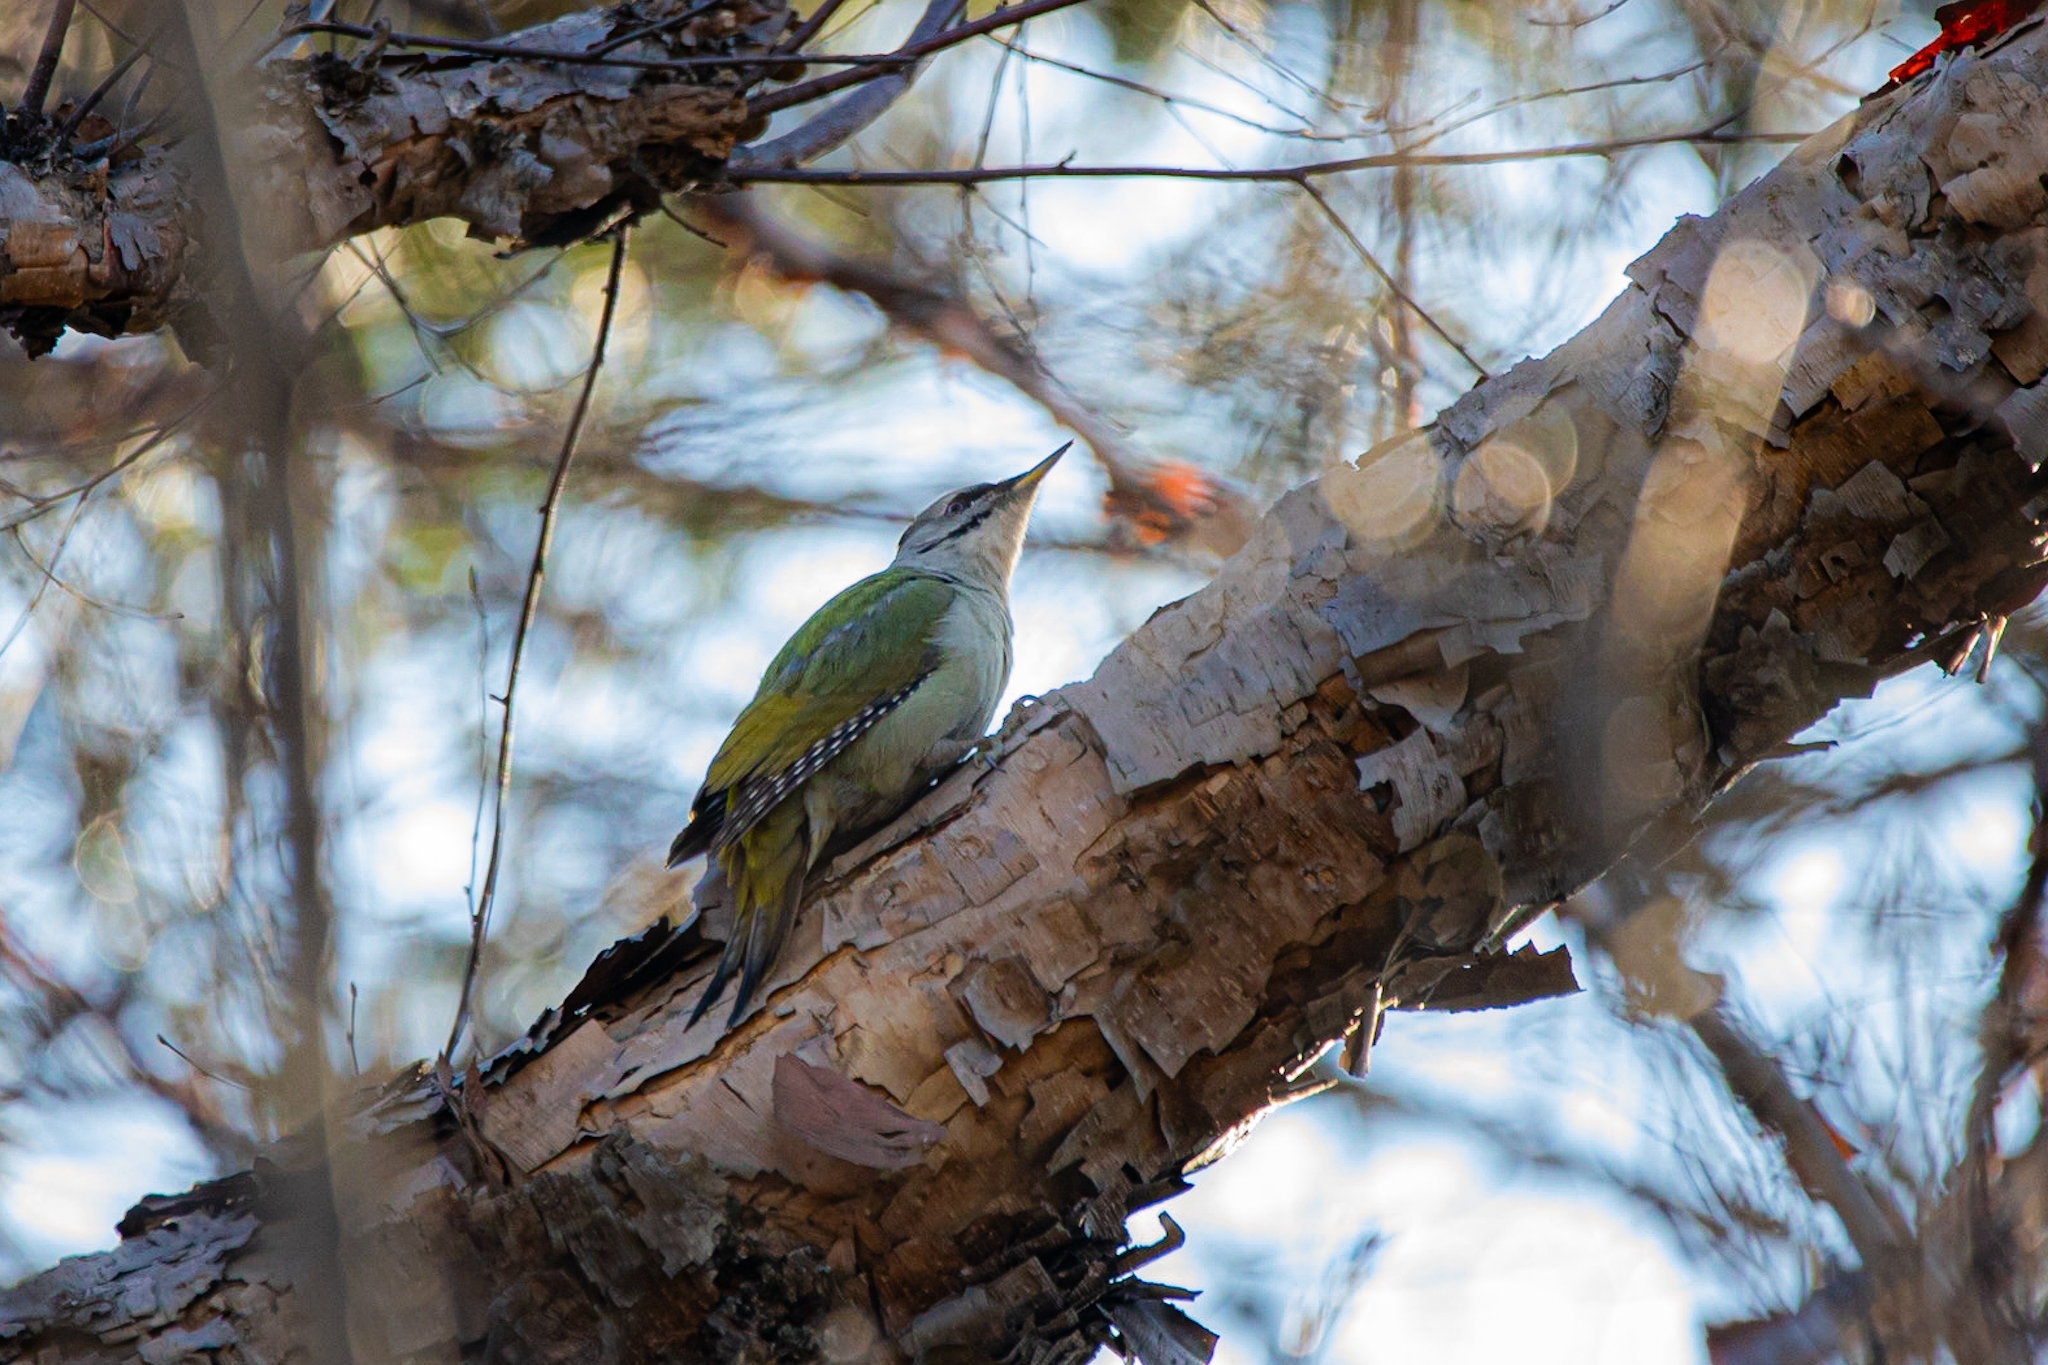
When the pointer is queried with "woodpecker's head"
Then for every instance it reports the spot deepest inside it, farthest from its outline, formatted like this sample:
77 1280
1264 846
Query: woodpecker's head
976 533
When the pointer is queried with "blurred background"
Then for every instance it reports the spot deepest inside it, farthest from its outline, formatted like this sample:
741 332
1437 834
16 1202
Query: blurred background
1565 1181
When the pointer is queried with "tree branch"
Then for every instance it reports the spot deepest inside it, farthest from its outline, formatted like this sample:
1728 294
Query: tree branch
38 88
1294 175
832 129
1159 502
916 49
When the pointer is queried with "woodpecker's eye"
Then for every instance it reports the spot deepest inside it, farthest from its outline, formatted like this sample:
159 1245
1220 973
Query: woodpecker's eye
960 504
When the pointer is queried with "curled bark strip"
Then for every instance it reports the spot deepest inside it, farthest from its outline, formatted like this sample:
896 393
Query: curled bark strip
1640 563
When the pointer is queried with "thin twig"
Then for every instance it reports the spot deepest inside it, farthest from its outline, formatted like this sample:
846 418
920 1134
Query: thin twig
99 92
1516 101
1257 175
112 608
1169 98
2005 1030
1579 21
110 146
186 1058
808 29
1237 35
528 610
96 12
1758 1082
45 69
846 23
674 21
49 575
43 503
354 1063
483 736
1337 221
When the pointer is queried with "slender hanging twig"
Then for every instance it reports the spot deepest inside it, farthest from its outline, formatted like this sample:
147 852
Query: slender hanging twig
46 61
479 920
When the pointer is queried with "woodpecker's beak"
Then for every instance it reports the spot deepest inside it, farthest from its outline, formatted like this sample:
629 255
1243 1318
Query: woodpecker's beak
1030 478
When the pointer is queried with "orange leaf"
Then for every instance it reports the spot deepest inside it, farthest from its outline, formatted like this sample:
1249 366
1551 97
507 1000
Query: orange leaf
1187 491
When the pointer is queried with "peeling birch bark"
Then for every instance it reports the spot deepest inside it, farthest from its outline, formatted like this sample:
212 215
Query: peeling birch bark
1436 692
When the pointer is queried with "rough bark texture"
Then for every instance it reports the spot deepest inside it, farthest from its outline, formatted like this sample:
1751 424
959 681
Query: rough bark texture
526 149
1435 692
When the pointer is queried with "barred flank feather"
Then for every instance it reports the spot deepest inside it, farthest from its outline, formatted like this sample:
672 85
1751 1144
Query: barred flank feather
762 840
755 796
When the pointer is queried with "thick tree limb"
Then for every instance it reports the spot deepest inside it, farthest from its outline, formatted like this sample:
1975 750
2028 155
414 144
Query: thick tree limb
613 109
519 148
1436 689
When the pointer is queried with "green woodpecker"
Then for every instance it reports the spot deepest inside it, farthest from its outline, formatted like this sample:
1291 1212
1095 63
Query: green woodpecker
891 683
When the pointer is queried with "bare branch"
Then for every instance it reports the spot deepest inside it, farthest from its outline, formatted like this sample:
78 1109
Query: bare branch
837 125
808 29
40 75
2006 1030
1578 21
1170 99
1256 175
912 51
49 574
43 503
1756 1080
99 92
596 56
1160 503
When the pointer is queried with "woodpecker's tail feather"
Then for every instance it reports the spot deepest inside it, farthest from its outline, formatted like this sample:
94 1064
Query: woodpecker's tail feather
766 936
718 980
766 871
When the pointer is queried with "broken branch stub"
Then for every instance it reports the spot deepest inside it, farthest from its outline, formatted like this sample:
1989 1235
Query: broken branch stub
1437 689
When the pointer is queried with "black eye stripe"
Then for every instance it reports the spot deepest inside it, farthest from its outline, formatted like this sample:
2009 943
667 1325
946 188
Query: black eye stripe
963 528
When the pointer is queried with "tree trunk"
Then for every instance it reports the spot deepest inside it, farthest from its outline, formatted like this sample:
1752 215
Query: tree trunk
1435 693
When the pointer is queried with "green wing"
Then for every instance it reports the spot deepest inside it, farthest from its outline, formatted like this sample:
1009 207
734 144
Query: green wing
852 663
